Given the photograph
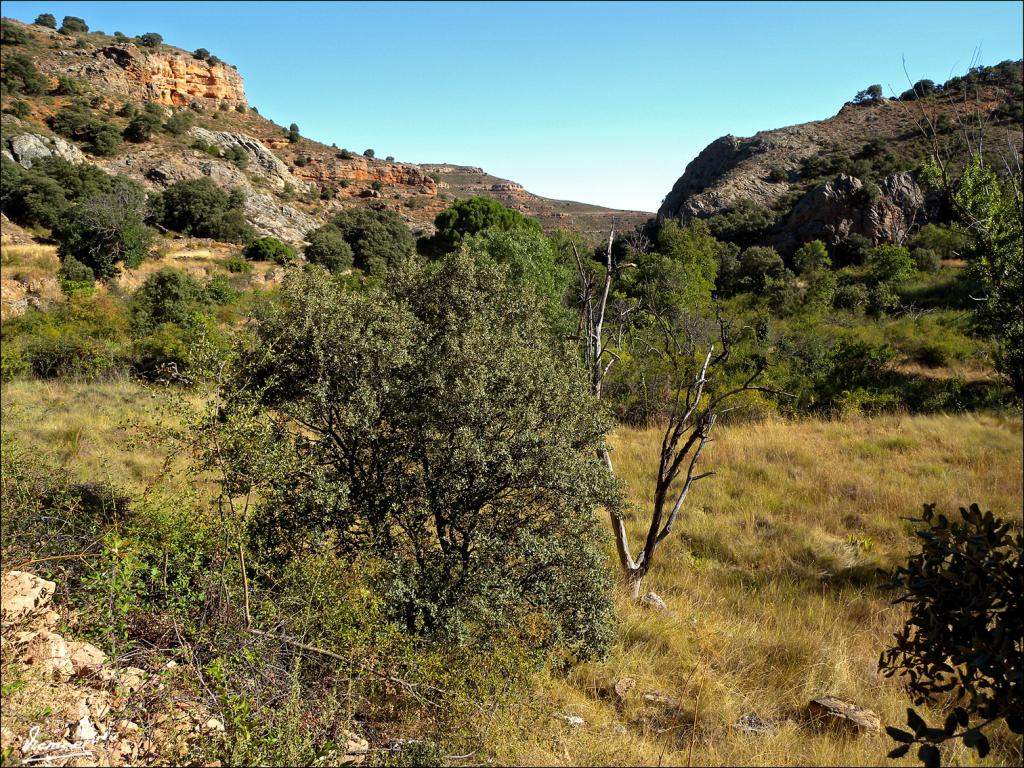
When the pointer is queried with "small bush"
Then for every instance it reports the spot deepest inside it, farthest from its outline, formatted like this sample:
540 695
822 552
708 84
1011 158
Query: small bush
200 53
368 153
46 20
73 25
963 638
926 260
328 248
890 263
852 297
150 40
11 35
240 109
293 133
167 296
269 249
238 265
178 123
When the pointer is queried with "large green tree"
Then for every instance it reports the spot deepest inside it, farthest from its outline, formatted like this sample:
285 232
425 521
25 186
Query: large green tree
433 422
469 217
107 229
990 212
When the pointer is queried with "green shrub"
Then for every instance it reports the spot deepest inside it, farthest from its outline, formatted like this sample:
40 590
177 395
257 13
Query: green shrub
301 161
882 298
201 54
74 276
744 224
76 122
328 248
368 153
199 207
469 217
142 126
963 637
46 20
379 239
178 123
13 363
853 251
19 108
167 296
150 40
240 109
19 75
269 249
219 291
73 25
400 408
890 263
106 230
81 338
67 86
12 35
238 265
293 133
237 156
811 257
926 260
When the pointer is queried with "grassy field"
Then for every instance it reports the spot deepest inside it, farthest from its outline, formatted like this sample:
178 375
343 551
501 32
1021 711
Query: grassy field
771 580
773 594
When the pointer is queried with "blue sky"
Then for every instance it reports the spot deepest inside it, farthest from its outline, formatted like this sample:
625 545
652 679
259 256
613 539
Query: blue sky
599 102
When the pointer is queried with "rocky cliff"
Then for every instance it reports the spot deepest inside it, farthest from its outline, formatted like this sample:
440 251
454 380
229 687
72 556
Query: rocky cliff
166 75
848 173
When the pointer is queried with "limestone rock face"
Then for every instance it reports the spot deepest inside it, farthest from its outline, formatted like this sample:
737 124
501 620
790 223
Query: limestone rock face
834 211
171 78
27 148
23 593
326 172
49 651
261 159
86 658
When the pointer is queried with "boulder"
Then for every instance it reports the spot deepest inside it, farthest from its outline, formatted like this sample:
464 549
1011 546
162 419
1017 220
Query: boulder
86 658
833 712
356 749
754 724
652 601
48 651
623 686
833 211
23 593
27 148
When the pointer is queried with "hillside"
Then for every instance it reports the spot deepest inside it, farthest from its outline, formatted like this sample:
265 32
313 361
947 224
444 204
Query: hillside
872 141
291 186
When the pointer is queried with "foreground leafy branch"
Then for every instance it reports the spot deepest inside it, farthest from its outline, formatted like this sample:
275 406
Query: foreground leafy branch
964 634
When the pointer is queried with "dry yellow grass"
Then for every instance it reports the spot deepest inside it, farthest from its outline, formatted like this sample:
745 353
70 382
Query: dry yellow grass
770 578
28 275
773 595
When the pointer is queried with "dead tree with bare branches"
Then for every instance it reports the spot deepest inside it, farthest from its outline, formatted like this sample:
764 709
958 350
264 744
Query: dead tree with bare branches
691 360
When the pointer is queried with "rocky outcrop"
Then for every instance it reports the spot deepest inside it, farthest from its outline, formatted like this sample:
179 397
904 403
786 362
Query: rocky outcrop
26 148
261 160
328 172
833 712
75 706
844 206
169 77
268 213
